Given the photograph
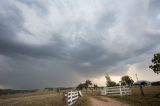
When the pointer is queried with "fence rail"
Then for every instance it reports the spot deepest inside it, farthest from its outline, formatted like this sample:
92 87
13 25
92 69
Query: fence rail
117 90
72 96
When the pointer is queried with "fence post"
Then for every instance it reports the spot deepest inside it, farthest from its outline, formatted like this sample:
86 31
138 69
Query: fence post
124 89
66 99
120 90
141 89
106 90
71 96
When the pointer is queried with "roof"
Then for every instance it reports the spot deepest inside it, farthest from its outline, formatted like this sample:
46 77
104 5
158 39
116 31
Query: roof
142 81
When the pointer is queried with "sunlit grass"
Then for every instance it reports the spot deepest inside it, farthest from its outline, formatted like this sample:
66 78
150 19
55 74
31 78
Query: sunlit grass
34 100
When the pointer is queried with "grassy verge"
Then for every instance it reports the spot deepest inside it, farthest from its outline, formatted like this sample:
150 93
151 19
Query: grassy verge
147 100
83 101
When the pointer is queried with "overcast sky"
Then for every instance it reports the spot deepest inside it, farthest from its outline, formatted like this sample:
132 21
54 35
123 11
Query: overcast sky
51 43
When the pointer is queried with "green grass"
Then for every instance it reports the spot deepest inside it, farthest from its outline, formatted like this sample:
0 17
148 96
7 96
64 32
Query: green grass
83 101
137 100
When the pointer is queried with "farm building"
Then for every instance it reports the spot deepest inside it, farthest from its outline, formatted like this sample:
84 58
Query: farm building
143 83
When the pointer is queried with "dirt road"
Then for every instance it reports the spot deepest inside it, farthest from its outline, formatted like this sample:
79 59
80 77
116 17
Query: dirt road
107 102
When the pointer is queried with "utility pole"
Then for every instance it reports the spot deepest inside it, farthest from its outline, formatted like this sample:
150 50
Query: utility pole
140 86
136 76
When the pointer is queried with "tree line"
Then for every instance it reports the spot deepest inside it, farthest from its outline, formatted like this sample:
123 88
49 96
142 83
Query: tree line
86 85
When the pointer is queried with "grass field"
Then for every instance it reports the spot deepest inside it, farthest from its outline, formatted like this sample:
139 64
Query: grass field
33 99
147 90
137 100
16 95
134 100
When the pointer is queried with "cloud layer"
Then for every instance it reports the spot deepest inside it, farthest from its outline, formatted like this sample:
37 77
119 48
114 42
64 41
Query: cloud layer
60 43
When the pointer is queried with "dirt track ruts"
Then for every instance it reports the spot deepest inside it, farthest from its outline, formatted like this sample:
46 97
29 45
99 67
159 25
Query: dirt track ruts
111 102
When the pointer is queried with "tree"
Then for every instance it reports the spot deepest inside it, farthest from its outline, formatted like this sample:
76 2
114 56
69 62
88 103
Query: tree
109 82
126 80
156 63
95 86
84 85
87 83
112 83
80 86
156 66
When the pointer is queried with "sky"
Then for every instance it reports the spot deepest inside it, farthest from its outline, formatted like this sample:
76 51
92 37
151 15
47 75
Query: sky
54 43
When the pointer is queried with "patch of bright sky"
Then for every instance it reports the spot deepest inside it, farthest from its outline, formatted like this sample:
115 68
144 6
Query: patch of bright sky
4 86
101 81
142 74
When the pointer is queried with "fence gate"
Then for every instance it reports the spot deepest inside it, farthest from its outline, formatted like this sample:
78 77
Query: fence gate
72 96
116 91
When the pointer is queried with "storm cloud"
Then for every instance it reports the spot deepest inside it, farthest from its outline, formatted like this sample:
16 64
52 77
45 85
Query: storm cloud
60 43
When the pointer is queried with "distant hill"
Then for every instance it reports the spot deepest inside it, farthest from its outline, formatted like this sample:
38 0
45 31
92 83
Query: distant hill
12 91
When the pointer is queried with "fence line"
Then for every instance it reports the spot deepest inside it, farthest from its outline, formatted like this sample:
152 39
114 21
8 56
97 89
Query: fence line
117 90
72 96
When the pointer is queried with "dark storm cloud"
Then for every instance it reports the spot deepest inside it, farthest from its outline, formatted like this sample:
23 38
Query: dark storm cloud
11 23
44 43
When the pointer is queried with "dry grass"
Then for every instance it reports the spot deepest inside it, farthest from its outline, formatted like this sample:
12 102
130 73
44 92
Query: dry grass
139 100
42 99
91 92
83 101
26 94
147 90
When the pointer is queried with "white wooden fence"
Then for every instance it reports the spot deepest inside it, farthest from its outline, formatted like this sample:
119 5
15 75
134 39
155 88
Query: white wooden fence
116 91
72 96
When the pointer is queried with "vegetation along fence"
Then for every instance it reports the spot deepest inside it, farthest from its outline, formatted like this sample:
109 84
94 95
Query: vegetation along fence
116 91
72 96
